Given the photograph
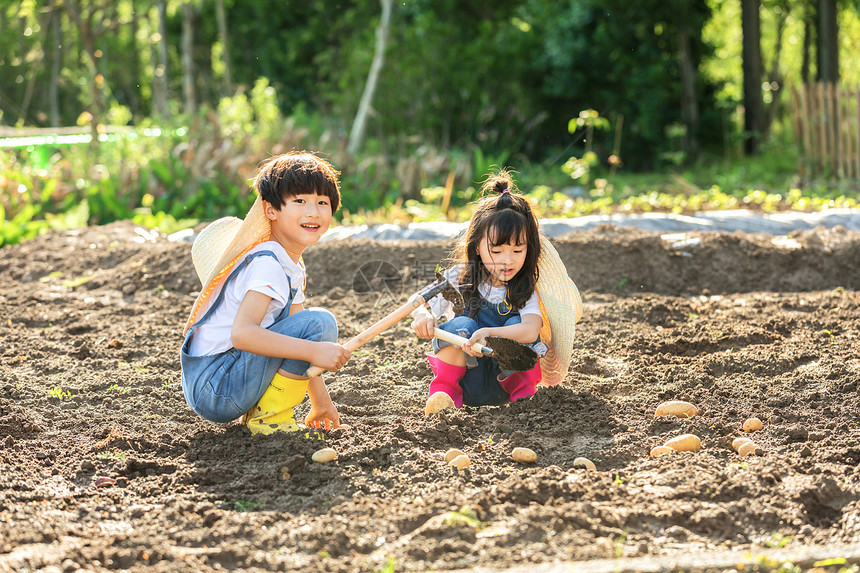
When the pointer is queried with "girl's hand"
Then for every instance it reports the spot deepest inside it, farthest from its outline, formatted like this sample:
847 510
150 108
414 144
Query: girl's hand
424 323
480 336
329 355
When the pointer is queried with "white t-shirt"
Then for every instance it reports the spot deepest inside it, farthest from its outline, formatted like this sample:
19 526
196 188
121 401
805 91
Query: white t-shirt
264 275
492 294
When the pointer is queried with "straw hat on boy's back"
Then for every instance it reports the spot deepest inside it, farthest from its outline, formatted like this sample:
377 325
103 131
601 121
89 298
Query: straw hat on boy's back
220 245
561 309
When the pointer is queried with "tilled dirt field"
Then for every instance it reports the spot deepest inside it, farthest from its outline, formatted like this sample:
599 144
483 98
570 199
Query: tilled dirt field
104 467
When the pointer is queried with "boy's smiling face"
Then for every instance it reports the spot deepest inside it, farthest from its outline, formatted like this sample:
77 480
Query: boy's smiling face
300 222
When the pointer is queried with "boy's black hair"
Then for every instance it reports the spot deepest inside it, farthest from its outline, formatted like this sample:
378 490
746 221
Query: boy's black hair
502 216
297 173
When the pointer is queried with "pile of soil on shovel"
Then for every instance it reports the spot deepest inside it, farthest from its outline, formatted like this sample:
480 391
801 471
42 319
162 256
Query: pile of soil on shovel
104 467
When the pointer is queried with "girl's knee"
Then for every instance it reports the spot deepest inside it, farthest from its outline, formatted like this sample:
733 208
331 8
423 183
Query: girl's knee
513 320
325 324
462 325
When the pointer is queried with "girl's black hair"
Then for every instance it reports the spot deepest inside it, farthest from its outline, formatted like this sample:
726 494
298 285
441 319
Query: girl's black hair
502 216
297 173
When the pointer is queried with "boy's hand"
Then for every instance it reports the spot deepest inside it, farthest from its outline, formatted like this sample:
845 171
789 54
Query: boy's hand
424 323
329 355
323 414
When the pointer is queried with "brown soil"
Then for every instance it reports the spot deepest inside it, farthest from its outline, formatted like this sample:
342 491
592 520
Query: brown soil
740 325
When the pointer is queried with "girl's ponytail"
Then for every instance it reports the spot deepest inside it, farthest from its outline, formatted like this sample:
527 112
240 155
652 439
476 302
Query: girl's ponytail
501 215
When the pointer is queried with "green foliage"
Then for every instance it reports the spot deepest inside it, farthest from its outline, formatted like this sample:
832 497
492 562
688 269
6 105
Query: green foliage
60 393
198 168
242 505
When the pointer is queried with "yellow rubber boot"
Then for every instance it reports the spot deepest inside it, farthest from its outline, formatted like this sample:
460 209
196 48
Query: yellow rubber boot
274 411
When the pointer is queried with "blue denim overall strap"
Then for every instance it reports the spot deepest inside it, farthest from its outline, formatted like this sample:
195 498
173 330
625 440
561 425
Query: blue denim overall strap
211 385
494 314
236 270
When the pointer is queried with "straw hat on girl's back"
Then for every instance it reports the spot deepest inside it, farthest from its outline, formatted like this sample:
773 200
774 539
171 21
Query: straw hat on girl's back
220 246
561 309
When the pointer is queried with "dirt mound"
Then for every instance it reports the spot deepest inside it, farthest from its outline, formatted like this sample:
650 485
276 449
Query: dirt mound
104 467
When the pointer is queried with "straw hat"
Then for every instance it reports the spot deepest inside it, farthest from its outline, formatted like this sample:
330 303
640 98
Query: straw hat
561 309
219 247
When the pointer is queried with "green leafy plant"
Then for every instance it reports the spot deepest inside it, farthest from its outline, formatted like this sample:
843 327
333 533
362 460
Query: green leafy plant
59 393
242 505
464 516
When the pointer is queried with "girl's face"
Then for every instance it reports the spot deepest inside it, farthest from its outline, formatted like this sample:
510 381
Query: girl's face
502 261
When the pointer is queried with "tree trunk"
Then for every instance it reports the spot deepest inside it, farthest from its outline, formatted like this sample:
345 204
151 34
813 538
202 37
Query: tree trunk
689 104
225 45
47 18
828 41
188 58
808 30
774 76
134 86
753 105
56 65
159 79
359 126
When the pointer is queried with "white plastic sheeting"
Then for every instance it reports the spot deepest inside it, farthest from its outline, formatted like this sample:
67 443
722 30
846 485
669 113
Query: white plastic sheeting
726 221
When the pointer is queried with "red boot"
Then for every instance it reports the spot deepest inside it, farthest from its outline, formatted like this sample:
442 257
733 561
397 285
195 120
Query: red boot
446 378
522 384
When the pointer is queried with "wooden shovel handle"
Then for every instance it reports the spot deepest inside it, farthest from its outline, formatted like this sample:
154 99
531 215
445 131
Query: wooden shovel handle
459 340
383 324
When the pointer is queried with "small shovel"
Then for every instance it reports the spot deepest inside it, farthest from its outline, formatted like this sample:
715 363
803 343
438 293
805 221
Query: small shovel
510 354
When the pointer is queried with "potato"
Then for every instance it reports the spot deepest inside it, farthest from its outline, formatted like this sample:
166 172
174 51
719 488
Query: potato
453 453
738 442
460 462
660 450
523 455
685 443
747 449
324 455
438 402
752 425
677 408
585 462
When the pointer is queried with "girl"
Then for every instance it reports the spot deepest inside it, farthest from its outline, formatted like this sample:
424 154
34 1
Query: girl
499 259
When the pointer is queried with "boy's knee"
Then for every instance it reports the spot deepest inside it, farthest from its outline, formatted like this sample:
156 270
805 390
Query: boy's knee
324 323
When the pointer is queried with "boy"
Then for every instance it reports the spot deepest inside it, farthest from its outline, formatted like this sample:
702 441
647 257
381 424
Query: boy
249 340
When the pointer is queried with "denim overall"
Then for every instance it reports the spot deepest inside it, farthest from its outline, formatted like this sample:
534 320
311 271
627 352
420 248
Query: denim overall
480 384
222 387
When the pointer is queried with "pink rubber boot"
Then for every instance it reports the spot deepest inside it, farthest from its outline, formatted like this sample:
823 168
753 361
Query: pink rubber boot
522 384
446 378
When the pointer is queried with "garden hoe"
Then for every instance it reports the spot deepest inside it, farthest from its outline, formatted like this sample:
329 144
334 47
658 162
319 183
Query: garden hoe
440 286
510 354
